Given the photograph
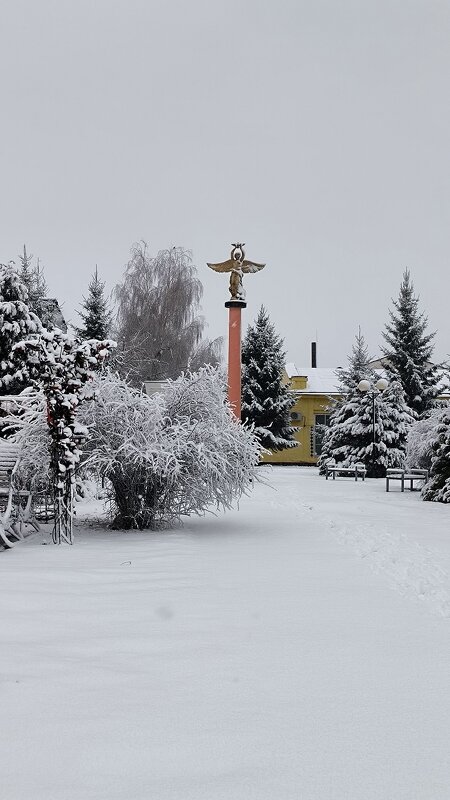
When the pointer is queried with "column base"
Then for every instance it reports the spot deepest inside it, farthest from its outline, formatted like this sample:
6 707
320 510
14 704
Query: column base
235 304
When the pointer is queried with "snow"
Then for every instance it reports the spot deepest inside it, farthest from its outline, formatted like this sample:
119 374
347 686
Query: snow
320 380
296 647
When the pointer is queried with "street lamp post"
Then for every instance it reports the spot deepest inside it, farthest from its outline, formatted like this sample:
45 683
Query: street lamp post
375 391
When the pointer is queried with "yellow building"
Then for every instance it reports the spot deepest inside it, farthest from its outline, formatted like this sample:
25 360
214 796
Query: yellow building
314 388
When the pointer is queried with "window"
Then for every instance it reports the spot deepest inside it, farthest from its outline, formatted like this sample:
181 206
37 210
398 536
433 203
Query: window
321 421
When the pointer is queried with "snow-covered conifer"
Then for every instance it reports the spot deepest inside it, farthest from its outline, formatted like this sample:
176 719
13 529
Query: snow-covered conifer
409 349
33 279
16 323
266 400
96 315
438 487
26 269
395 419
366 427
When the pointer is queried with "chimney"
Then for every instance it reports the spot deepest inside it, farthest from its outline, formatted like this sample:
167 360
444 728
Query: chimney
314 354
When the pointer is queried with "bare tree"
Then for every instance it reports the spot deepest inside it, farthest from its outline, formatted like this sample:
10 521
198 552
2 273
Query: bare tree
159 329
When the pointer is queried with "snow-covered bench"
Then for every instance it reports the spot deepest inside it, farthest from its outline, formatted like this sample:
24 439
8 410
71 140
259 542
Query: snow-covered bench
15 503
412 476
355 471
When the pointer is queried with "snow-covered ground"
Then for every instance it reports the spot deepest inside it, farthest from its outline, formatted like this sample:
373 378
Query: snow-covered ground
295 649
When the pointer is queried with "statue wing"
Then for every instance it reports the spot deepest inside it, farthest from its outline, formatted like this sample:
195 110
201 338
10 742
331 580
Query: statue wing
251 266
223 266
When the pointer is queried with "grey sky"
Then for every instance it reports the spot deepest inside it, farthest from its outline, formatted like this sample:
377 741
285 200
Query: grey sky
317 132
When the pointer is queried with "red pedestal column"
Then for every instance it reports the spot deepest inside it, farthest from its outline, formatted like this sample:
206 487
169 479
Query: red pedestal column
234 354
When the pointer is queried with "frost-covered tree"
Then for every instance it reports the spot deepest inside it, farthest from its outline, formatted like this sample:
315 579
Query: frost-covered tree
421 438
26 269
174 453
396 419
96 315
438 486
33 279
266 400
63 367
158 324
366 427
409 349
16 323
26 422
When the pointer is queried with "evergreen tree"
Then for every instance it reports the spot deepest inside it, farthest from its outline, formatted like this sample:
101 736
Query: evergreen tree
96 315
33 279
38 292
410 348
266 401
16 323
26 270
396 419
366 427
438 487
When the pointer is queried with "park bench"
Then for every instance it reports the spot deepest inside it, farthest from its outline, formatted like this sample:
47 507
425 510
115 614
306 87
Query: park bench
354 471
15 503
411 476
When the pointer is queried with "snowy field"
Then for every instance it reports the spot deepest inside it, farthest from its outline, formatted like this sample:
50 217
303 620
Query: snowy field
295 649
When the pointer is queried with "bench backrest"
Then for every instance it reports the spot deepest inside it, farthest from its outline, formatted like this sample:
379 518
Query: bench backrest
9 454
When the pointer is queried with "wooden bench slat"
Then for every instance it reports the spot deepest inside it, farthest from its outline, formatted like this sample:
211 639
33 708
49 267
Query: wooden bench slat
16 514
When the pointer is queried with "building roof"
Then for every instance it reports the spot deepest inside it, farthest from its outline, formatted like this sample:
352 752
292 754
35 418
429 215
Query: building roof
323 380
319 380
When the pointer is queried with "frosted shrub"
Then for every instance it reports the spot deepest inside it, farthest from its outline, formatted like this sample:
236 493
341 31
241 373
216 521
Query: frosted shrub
26 425
419 449
176 453
438 487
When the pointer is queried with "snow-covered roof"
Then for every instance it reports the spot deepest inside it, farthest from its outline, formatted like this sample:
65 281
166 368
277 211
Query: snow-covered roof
323 380
291 369
319 380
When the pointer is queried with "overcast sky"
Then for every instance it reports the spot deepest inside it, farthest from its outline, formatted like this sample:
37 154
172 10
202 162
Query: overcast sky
317 131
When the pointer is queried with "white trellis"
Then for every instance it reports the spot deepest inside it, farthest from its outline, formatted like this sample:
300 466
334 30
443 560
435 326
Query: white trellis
62 367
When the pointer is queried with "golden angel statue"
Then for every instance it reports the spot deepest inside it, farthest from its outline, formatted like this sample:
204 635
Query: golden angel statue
237 265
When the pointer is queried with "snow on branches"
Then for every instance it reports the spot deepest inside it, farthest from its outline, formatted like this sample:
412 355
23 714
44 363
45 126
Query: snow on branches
64 368
175 453
438 487
16 323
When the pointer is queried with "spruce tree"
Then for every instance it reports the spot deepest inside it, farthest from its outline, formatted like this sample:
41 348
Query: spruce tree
396 419
266 401
33 279
438 487
409 349
26 270
16 323
96 315
366 427
38 292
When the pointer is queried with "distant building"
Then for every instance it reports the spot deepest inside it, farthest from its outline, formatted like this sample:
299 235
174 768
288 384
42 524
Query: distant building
315 389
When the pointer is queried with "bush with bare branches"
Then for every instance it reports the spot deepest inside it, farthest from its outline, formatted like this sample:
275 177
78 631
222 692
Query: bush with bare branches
175 453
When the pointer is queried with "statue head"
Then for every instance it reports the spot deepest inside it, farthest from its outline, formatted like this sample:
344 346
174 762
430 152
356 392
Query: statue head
237 253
